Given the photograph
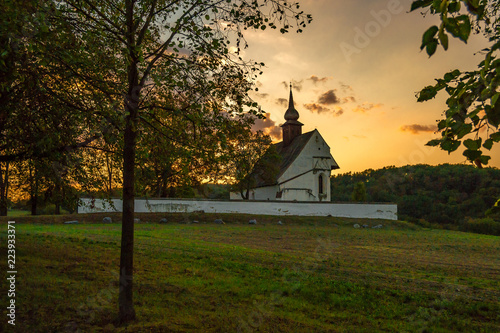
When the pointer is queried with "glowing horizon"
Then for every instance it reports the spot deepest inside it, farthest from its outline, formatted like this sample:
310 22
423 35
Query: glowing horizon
355 72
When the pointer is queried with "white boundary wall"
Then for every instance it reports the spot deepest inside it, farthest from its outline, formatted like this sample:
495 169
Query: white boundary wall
354 210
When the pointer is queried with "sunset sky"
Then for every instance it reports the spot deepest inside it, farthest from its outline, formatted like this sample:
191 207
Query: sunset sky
356 70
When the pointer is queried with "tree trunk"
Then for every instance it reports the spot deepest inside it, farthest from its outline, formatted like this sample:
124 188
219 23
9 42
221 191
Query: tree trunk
245 193
33 190
57 198
125 298
4 189
110 174
126 304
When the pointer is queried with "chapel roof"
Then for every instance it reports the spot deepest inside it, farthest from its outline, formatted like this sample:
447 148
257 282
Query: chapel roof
289 149
288 155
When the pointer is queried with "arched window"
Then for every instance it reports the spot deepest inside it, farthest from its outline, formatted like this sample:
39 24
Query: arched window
320 184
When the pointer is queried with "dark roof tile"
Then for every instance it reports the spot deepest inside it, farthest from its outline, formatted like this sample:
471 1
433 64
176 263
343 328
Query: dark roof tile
288 155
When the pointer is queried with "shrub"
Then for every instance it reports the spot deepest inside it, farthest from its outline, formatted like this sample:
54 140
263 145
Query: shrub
50 209
486 226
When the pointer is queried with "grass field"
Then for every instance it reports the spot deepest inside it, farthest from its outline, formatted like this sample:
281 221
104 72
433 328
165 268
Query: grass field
308 275
18 212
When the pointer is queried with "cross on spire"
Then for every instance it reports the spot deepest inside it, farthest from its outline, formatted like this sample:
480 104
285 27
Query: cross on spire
291 128
291 113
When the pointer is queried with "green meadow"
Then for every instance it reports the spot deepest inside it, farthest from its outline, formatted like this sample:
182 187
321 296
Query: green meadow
306 275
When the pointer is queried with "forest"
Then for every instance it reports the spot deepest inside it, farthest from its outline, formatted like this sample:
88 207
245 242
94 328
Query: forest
445 194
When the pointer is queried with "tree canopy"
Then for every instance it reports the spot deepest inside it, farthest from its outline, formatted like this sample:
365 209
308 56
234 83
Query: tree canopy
472 117
118 75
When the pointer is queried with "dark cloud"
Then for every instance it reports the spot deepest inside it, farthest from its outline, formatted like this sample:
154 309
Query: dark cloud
296 85
365 107
348 99
262 95
317 80
282 102
267 126
328 98
318 108
345 87
417 128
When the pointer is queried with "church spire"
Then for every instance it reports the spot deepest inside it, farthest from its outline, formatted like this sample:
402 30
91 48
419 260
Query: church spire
291 113
291 128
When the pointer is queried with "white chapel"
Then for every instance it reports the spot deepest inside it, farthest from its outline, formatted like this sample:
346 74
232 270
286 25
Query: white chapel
306 165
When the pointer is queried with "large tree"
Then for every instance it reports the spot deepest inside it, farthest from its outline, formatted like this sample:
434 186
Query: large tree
473 105
47 111
142 56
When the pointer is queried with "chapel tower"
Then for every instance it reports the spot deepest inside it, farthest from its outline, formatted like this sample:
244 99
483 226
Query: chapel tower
291 128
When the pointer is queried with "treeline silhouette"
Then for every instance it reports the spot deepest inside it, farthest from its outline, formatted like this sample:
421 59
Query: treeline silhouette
443 194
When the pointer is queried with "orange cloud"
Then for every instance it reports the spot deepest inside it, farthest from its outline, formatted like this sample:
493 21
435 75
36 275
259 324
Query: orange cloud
317 80
348 99
365 107
417 128
345 87
267 126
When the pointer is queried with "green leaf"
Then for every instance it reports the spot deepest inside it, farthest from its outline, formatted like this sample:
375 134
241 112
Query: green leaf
442 124
484 159
472 155
493 114
488 144
462 130
427 93
473 144
495 98
454 7
431 47
420 4
433 143
448 77
428 36
450 145
495 136
443 38
459 27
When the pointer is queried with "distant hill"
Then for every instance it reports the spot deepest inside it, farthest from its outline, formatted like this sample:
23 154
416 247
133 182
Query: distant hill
444 194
